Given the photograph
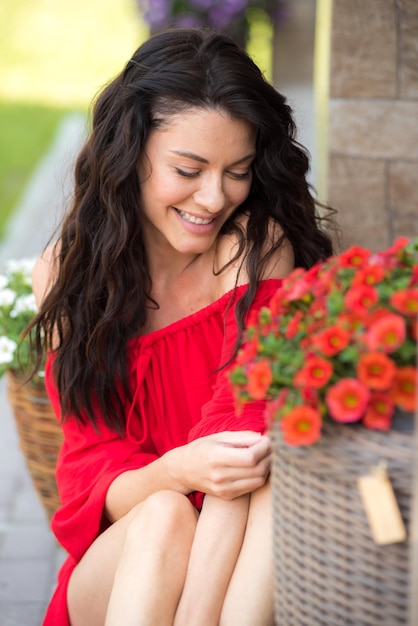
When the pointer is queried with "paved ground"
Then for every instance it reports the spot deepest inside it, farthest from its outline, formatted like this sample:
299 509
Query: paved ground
29 555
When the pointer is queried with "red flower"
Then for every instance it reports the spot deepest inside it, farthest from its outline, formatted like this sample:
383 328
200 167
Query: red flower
389 258
379 411
301 426
360 299
354 257
293 325
414 329
297 284
309 396
376 370
247 352
387 332
315 373
347 400
352 321
414 277
331 340
273 407
259 379
404 389
370 275
277 304
406 301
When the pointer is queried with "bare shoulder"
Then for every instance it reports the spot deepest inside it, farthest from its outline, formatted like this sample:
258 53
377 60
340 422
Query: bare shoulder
44 272
282 262
279 265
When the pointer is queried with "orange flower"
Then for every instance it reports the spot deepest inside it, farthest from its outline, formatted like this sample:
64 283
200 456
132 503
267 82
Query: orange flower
259 379
406 301
360 299
404 389
301 426
387 332
347 400
315 373
354 257
379 411
331 340
376 370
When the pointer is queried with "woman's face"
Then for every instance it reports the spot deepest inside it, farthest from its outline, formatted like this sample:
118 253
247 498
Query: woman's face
195 172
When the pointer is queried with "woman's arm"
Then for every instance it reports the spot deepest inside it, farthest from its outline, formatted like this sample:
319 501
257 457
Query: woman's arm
227 465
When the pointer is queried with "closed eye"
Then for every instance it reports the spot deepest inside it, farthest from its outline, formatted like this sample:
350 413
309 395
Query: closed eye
237 176
186 174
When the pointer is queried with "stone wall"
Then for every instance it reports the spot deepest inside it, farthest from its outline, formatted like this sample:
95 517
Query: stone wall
373 120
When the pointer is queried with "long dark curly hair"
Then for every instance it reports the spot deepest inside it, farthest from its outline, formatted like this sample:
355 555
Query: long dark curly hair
101 294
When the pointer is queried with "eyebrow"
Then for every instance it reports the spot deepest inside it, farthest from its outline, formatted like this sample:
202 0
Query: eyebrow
196 157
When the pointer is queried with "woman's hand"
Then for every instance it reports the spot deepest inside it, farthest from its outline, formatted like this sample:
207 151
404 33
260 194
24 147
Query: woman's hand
226 465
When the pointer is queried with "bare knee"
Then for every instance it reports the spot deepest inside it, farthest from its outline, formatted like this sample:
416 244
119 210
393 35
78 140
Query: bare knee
166 516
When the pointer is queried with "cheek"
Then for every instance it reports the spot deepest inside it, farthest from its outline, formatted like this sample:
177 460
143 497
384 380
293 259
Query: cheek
238 195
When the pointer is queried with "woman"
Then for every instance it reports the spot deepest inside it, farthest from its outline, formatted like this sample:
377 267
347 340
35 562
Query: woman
191 204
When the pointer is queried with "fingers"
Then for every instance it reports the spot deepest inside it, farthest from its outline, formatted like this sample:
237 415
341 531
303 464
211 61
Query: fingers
227 464
239 438
233 455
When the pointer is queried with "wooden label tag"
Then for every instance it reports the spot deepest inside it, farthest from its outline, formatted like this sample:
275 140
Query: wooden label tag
381 507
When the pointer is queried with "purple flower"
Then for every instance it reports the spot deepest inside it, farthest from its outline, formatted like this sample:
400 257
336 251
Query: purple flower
203 5
217 13
156 13
188 20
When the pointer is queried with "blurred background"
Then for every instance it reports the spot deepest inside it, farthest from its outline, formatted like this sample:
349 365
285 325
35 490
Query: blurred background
55 57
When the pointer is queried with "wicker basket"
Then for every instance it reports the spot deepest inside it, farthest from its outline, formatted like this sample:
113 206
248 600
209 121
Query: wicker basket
328 570
40 436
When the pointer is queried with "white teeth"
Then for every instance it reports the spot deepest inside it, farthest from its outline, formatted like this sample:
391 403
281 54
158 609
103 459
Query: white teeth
194 220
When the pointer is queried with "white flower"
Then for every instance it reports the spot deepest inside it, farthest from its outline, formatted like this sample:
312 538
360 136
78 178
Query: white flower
24 304
7 297
7 349
23 267
4 281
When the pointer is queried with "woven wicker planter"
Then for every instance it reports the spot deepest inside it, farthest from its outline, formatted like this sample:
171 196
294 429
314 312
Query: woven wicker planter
39 434
328 570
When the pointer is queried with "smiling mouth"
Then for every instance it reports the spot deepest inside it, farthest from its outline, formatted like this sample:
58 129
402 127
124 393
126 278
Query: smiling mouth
194 220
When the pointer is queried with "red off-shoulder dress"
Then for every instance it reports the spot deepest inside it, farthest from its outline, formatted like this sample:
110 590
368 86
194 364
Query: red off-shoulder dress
178 396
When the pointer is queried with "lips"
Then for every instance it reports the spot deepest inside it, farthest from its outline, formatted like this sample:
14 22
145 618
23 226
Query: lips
187 217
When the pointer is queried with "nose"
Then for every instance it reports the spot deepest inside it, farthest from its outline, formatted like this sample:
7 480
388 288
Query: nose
210 195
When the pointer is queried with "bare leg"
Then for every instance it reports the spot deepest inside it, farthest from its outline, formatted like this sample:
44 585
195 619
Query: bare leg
216 546
249 599
134 573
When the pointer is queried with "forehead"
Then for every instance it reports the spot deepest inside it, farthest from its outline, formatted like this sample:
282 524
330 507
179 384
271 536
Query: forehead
204 127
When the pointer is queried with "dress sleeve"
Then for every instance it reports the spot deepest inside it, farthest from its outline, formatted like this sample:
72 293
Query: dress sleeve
88 462
219 414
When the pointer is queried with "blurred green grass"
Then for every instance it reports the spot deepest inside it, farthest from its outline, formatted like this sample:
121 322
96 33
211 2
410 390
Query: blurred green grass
54 57
25 132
